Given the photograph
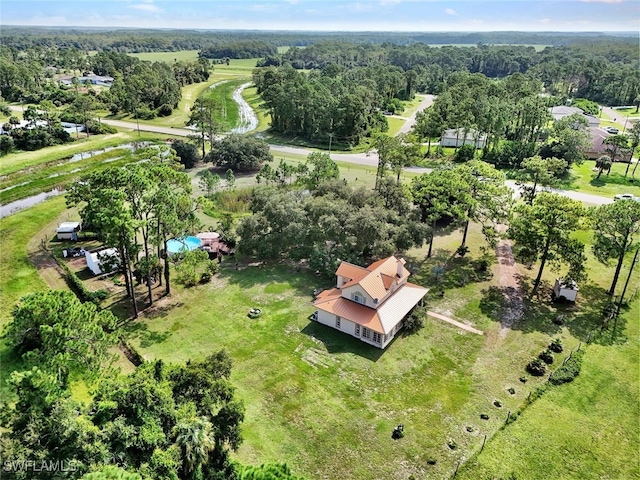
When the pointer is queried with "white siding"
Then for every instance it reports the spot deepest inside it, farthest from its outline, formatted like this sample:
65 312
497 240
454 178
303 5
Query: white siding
349 291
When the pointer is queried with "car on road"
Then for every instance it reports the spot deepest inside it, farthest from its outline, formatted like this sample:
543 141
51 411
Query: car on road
626 196
612 130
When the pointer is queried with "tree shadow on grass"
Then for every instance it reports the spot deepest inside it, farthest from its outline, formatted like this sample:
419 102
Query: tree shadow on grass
338 342
583 319
262 273
139 330
444 270
612 179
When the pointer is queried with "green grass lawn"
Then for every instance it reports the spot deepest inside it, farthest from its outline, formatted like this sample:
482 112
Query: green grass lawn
17 161
583 178
395 124
18 276
329 406
169 57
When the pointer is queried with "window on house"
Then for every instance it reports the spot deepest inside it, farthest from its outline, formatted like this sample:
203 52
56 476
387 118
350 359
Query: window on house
358 297
357 330
337 322
376 337
366 333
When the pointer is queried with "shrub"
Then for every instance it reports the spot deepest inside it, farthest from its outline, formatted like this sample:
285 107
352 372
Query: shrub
164 110
546 357
452 444
484 416
462 250
511 390
205 277
78 287
465 153
536 367
415 321
556 346
432 461
570 370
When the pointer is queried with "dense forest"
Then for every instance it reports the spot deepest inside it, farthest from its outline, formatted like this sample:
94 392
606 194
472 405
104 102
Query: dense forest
133 41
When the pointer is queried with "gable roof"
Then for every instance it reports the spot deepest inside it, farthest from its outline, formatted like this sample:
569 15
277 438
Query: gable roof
350 270
377 278
382 320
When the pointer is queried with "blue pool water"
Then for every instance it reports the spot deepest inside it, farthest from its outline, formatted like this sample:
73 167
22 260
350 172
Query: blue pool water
176 245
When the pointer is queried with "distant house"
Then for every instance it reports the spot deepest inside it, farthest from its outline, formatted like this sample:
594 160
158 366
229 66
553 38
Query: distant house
456 137
68 230
369 303
101 80
562 111
598 136
102 260
23 124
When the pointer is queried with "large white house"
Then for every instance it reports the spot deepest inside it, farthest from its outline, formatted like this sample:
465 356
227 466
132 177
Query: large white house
369 303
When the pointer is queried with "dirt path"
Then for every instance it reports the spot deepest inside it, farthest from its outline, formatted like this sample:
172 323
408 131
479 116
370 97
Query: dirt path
508 278
461 325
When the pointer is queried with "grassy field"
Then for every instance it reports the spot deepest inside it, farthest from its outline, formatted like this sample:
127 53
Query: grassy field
46 174
329 407
17 161
169 57
583 179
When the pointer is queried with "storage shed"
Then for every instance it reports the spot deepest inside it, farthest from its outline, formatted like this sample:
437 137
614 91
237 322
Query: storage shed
565 290
104 260
68 230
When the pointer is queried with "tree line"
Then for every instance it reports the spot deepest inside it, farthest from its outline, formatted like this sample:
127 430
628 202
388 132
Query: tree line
602 72
150 40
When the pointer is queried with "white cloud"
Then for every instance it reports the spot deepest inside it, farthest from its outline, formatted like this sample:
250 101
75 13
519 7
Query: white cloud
450 11
601 1
146 7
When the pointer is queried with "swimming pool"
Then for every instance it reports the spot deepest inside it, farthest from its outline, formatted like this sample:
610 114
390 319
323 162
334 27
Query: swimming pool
185 244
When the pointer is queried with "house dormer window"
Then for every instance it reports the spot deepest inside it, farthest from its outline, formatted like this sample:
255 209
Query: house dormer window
358 297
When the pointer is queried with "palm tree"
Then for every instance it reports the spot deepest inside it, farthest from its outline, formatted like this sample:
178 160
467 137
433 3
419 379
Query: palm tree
603 163
195 439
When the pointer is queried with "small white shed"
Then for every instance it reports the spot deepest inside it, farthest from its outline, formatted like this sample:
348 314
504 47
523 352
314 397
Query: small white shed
565 290
102 261
68 230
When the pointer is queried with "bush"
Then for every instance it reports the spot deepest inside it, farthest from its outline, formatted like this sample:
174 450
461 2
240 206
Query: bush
187 153
546 357
205 277
145 113
556 346
78 287
570 370
462 250
465 153
415 321
164 110
536 367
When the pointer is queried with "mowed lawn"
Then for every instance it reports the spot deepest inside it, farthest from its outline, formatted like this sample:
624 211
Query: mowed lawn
327 404
321 401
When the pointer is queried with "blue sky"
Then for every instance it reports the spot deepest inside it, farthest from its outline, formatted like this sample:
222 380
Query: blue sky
347 15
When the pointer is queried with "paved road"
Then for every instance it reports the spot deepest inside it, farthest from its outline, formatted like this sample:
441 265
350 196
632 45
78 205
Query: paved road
369 159
426 103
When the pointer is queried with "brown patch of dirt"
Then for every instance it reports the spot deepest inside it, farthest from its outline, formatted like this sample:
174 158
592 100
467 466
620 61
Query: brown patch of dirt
510 286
